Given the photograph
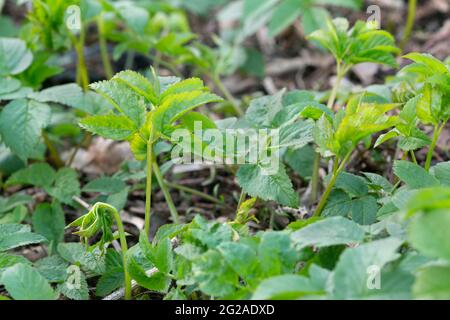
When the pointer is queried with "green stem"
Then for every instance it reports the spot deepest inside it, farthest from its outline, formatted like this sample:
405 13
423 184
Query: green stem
339 75
165 190
148 187
331 100
123 244
437 131
241 198
413 156
193 191
315 178
412 4
336 171
227 94
82 74
54 155
104 48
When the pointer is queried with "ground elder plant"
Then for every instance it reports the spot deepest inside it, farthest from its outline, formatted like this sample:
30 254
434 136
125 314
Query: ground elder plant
146 185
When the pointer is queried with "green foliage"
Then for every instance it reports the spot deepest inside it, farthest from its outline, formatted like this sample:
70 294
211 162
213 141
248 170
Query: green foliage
17 235
362 43
25 283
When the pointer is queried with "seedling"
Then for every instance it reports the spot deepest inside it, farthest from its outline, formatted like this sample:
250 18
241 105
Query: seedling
146 111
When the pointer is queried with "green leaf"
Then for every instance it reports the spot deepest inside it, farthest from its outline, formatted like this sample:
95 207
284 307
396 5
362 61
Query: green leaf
284 287
104 185
139 84
25 283
76 254
442 172
213 275
277 187
329 232
76 289
262 111
138 265
16 216
21 123
353 185
129 103
301 160
177 105
37 174
339 204
350 275
276 253
48 220
67 94
364 210
53 268
284 15
17 235
8 260
241 258
66 186
428 234
14 56
432 283
362 43
110 126
413 175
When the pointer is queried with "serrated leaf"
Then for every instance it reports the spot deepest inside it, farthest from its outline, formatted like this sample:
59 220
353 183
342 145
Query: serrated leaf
105 185
76 290
277 187
75 253
284 15
413 175
124 99
48 220
442 172
176 105
53 268
139 84
66 186
427 233
432 283
67 94
350 275
110 126
37 174
352 184
16 235
328 232
213 275
276 254
25 283
21 123
364 210
14 56
8 260
284 287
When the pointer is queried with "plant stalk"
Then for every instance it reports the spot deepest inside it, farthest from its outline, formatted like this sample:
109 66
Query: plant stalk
107 67
148 187
193 191
124 246
54 155
165 190
412 5
316 166
437 131
337 169
227 94
82 74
